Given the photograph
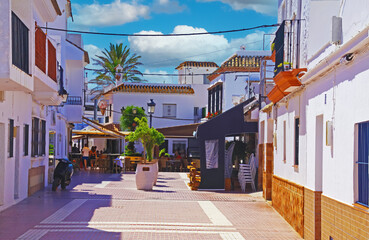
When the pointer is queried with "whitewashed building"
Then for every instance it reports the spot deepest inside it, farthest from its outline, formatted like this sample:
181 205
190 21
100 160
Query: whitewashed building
236 80
314 137
31 81
193 72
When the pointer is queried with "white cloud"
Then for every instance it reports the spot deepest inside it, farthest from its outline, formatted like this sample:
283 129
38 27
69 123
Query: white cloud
159 79
156 51
167 6
92 52
171 51
110 14
268 7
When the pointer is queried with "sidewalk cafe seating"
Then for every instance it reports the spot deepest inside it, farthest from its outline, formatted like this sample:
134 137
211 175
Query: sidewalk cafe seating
103 163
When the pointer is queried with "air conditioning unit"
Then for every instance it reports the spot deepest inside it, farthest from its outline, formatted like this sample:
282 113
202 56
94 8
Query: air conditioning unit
336 30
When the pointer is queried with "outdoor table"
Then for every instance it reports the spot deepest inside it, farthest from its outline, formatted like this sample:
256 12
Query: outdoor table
173 164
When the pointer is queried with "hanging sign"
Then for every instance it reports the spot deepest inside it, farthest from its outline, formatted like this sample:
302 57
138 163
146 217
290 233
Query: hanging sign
103 105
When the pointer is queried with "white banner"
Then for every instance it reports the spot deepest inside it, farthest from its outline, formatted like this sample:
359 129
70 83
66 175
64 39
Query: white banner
211 150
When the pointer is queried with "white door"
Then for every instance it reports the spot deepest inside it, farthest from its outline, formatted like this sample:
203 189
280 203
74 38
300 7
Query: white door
16 163
2 162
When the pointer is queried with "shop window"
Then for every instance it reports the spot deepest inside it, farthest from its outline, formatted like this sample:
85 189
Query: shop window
20 44
25 139
169 110
297 135
11 139
362 164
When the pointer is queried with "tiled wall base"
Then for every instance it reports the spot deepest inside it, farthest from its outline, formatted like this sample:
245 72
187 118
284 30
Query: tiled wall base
342 221
312 214
261 166
268 171
288 200
36 179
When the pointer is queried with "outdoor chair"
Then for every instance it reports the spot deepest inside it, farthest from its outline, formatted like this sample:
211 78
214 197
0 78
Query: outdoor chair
103 163
128 165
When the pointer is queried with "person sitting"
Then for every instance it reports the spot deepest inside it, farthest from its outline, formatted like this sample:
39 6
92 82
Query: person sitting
75 149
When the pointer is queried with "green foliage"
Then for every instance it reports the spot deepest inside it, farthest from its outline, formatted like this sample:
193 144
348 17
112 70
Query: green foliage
127 120
150 137
162 153
110 59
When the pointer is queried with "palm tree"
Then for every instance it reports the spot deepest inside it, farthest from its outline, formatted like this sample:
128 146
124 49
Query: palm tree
116 55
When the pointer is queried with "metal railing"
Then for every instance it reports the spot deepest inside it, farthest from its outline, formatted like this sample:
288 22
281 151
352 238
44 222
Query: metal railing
74 100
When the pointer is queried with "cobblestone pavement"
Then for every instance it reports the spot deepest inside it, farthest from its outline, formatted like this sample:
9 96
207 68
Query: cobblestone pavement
108 206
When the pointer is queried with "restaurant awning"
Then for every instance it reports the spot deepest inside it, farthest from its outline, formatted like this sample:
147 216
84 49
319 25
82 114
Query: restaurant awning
98 130
181 131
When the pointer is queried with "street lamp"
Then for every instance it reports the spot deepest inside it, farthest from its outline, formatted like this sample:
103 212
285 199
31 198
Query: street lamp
64 94
151 110
134 111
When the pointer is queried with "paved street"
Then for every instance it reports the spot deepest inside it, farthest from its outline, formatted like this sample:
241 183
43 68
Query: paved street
108 206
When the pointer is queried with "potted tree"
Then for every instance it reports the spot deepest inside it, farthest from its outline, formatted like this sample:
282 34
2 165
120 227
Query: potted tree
128 123
147 170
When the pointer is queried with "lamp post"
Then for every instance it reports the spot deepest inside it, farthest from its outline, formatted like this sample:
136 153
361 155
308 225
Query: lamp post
151 110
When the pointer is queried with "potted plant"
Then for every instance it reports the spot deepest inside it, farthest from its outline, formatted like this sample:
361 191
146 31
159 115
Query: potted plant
128 123
146 171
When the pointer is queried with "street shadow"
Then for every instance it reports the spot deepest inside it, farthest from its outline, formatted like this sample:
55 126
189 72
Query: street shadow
46 207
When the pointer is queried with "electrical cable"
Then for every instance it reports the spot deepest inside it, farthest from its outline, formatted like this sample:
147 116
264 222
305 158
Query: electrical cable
161 35
182 119
171 74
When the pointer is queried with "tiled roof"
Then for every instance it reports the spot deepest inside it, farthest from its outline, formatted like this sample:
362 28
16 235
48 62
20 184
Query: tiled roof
152 88
220 70
242 61
197 64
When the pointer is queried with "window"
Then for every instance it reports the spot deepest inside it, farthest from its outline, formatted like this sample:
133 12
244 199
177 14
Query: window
25 139
20 44
362 163
297 135
11 139
38 137
196 111
169 110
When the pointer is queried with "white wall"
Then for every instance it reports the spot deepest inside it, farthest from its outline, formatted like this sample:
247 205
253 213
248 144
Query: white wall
187 75
185 105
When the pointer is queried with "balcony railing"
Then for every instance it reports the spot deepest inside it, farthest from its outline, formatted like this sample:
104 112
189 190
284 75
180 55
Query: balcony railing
74 100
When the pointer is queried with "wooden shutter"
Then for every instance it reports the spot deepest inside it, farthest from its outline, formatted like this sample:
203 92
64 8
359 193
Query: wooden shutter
40 49
51 63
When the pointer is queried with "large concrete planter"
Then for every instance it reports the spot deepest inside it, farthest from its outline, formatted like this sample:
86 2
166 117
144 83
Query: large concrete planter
146 175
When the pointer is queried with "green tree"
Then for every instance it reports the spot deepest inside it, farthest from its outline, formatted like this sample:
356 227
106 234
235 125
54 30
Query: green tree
128 123
110 59
150 137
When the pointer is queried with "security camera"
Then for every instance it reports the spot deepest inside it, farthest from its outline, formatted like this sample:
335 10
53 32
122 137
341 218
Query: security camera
347 58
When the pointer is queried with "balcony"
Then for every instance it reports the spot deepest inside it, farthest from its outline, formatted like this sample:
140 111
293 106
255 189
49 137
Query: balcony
15 61
275 95
285 51
45 74
74 100
48 9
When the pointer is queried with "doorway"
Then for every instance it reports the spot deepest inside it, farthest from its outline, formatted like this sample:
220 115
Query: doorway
319 135
16 163
2 162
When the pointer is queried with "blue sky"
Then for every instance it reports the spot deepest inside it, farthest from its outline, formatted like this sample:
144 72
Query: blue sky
163 54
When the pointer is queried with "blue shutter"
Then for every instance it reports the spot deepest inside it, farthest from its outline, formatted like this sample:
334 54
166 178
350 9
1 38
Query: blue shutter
363 155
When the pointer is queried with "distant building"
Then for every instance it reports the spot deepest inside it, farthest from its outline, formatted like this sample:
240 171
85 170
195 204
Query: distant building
192 72
236 80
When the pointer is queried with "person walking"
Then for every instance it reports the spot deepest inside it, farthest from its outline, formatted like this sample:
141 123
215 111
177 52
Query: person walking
85 155
93 156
